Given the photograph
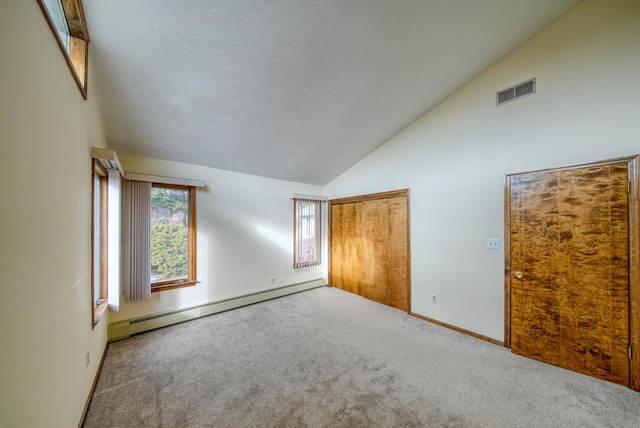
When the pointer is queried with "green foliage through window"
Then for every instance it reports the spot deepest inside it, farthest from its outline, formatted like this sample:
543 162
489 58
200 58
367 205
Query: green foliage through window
169 251
174 201
169 233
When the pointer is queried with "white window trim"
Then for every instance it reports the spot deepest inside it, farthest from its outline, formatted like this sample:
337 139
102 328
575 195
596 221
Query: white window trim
114 224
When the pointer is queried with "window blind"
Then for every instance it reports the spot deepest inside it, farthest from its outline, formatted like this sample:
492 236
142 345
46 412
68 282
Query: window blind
307 240
137 240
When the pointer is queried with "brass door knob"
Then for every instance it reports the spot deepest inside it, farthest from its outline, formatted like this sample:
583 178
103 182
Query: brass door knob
518 274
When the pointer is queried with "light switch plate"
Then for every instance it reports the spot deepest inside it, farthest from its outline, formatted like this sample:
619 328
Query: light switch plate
493 243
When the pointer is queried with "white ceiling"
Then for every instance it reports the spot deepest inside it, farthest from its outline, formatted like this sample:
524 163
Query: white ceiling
297 90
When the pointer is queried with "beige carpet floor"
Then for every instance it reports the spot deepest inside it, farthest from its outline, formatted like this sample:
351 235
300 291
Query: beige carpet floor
327 358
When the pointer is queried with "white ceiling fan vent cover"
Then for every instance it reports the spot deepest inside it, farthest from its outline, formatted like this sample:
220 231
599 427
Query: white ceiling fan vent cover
515 92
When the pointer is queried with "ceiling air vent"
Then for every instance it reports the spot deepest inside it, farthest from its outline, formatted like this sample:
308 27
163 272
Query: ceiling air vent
518 91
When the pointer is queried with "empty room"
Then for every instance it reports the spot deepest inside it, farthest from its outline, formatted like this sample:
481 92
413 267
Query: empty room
286 213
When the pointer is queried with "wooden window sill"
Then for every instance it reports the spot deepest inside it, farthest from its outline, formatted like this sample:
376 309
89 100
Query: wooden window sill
172 285
98 312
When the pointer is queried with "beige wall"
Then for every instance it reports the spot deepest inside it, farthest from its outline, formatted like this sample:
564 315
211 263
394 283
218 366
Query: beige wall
454 158
46 131
245 236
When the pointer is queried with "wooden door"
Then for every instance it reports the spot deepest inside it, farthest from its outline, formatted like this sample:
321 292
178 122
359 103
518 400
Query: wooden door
569 269
345 246
369 247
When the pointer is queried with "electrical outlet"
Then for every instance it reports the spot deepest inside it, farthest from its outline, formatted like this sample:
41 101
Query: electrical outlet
87 359
493 243
273 280
434 298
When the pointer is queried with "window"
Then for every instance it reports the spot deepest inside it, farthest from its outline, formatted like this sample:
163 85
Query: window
173 237
105 232
159 225
307 251
99 245
66 20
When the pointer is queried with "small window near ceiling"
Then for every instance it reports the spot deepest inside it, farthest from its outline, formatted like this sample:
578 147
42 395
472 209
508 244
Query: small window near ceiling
99 242
173 237
66 20
307 236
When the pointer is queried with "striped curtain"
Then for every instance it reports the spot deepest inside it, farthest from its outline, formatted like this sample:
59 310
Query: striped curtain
137 240
307 252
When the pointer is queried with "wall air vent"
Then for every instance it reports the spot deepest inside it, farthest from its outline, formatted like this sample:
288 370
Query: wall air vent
515 92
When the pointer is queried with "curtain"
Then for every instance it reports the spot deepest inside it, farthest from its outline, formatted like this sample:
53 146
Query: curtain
137 240
307 251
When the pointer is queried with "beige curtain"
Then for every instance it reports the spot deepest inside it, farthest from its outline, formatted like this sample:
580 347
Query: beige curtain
137 240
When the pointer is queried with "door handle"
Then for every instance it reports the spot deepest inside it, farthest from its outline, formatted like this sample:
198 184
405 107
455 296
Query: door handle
518 274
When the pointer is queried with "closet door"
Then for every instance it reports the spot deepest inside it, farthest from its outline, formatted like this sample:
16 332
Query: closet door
345 246
569 269
369 247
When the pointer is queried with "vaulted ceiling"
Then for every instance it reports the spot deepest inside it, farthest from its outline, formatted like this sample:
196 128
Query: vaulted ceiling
298 90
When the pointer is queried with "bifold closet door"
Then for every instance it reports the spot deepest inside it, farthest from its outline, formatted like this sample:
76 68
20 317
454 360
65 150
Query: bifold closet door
369 248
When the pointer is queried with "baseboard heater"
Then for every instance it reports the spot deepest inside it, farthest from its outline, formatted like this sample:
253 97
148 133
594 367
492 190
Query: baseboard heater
125 328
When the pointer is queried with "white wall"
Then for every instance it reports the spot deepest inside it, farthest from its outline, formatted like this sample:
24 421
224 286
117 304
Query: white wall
454 158
245 236
46 132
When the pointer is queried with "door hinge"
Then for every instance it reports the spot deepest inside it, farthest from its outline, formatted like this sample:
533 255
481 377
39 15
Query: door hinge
628 187
630 352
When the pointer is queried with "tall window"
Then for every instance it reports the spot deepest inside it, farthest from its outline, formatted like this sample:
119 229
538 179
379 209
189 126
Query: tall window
172 236
160 238
307 251
99 242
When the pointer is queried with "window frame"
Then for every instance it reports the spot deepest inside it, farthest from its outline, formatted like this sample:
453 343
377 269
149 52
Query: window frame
99 303
76 52
191 279
297 234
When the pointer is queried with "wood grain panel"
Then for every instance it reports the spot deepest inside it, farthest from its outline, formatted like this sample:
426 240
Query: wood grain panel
346 252
533 332
375 230
634 272
385 272
593 212
369 250
398 254
568 237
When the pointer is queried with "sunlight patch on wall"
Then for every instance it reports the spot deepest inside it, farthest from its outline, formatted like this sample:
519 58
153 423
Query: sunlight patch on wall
281 240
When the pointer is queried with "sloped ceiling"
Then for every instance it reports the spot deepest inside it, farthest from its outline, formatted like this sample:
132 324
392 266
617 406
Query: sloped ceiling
298 90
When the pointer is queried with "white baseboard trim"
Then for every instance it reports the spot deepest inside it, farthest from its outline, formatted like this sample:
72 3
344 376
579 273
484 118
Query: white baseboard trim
125 328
